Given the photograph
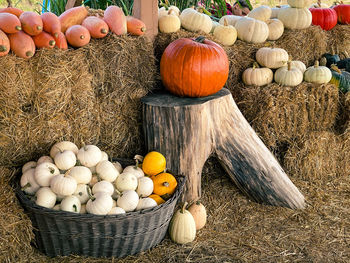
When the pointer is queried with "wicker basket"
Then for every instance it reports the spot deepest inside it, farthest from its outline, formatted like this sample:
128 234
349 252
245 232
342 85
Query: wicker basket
64 233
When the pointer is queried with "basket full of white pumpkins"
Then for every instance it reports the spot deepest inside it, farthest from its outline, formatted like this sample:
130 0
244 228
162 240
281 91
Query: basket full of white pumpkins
82 202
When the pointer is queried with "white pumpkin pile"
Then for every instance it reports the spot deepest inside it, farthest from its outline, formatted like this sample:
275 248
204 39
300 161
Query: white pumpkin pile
85 181
287 72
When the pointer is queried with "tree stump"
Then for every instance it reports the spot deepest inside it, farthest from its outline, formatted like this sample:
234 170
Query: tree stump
188 130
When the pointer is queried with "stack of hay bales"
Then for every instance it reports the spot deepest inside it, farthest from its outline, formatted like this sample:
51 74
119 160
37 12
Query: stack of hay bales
87 95
338 40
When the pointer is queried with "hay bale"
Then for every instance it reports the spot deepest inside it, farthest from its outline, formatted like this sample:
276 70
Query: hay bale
123 70
339 40
280 114
15 227
315 157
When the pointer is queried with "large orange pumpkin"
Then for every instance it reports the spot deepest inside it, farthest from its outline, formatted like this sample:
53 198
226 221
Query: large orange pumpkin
194 67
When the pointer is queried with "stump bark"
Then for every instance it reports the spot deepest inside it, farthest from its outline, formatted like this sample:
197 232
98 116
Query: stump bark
188 130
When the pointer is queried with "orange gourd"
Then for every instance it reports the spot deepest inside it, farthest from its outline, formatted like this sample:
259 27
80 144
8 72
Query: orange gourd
22 44
135 26
96 26
31 23
12 10
72 16
153 163
194 67
9 23
61 41
157 198
77 36
51 23
164 183
115 19
44 40
4 44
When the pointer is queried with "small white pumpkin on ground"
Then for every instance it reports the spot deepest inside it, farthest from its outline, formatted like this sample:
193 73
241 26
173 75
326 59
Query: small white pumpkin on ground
44 172
288 76
103 186
145 203
317 74
126 181
45 197
28 183
71 204
257 76
65 160
182 228
128 200
62 146
225 34
89 155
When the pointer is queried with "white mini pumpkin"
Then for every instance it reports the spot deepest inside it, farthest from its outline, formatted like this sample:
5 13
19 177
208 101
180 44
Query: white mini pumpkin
135 170
65 160
63 184
105 170
71 204
298 64
295 18
288 76
194 21
271 57
81 174
163 10
103 186
225 34
44 159
252 30
257 76
317 74
169 23
89 155
276 28
145 203
126 181
28 165
116 211
28 183
82 193
231 19
128 200
44 172
99 204
45 197
262 13
62 146
144 187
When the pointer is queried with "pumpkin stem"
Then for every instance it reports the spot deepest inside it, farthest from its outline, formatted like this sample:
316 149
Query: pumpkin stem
39 27
18 28
225 22
289 65
316 64
103 31
183 208
139 159
319 3
29 54
166 184
52 171
2 48
89 193
170 11
26 186
335 68
255 65
198 202
75 208
200 39
201 9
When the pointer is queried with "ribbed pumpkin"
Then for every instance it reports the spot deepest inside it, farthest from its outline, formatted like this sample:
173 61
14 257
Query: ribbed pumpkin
343 12
182 227
194 67
276 29
252 30
317 74
194 21
295 18
288 76
257 76
340 78
326 18
262 13
164 183
225 34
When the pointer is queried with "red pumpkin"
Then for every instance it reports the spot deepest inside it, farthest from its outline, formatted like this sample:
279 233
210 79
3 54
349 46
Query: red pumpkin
343 12
194 67
326 18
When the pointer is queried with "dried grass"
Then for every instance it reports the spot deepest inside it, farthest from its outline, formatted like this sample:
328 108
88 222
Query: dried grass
339 41
281 114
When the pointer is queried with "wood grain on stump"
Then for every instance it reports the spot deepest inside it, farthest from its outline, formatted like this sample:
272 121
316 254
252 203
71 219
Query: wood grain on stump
188 130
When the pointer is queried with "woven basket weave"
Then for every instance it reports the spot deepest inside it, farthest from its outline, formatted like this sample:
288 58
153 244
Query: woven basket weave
64 233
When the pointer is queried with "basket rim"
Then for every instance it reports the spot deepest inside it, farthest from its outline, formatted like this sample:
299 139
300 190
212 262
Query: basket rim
30 204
